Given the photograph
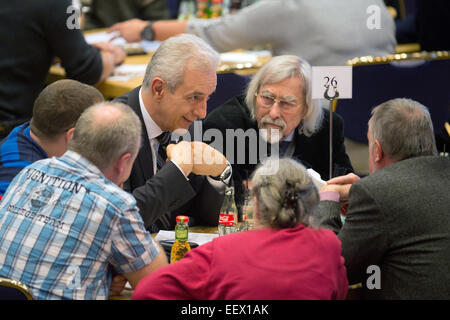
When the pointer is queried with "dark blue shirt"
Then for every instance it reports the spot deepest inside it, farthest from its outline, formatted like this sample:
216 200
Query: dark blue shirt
17 151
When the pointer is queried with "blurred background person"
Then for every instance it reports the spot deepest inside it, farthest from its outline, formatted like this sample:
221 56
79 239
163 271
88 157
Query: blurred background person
283 258
32 34
105 13
324 32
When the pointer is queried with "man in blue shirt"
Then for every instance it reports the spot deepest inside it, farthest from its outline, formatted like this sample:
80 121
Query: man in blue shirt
66 227
55 112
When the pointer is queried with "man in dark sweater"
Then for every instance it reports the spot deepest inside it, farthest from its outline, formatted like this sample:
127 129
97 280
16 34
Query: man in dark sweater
32 34
278 100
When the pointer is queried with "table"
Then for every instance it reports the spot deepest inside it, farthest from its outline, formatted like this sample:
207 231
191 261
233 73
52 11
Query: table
407 48
109 89
126 293
112 89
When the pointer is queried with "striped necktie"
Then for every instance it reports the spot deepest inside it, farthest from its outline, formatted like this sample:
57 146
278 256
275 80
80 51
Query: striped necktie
161 157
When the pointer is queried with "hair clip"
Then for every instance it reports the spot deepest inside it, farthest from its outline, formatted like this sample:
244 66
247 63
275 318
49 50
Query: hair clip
291 198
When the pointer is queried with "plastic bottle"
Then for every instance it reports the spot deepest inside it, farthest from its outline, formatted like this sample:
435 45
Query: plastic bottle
228 222
187 10
247 212
203 9
216 8
181 244
226 5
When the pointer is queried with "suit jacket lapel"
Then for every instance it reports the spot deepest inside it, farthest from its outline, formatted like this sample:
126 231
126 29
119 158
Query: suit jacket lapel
144 158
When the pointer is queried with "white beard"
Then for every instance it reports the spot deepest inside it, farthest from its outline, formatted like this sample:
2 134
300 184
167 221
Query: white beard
271 135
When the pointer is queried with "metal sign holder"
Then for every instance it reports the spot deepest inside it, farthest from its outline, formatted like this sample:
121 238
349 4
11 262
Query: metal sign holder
327 86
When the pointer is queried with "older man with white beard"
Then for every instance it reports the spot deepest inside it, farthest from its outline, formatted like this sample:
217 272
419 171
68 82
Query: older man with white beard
279 100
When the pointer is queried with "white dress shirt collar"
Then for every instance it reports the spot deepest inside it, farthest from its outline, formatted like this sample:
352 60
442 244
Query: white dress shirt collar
290 136
153 130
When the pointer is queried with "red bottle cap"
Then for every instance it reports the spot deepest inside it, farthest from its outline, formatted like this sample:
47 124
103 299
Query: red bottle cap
184 219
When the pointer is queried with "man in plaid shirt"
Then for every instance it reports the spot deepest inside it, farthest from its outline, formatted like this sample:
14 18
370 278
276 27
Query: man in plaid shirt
66 227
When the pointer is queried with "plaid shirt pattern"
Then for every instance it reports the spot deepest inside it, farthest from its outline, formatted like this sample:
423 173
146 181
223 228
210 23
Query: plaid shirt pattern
64 228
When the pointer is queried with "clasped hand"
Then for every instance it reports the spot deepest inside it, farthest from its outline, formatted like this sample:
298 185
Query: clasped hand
342 186
197 157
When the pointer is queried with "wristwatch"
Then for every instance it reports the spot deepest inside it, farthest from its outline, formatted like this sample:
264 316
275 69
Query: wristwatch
225 175
147 33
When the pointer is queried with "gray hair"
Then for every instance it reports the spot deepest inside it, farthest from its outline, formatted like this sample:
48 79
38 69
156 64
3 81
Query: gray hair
285 198
174 54
103 142
404 129
283 67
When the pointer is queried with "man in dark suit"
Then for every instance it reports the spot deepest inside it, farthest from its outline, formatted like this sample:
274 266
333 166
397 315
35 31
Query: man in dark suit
396 235
278 100
178 81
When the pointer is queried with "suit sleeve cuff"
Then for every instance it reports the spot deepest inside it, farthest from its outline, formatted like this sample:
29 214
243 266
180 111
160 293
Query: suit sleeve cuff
176 165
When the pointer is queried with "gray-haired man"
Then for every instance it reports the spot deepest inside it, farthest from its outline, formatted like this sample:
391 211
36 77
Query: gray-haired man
278 99
396 236
178 81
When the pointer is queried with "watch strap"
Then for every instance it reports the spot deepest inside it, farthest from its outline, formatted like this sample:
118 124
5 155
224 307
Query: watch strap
147 33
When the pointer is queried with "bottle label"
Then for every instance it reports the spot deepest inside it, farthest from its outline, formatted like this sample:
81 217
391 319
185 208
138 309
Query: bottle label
181 234
226 219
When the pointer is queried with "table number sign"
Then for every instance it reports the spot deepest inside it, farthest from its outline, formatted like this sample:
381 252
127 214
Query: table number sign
326 80
331 83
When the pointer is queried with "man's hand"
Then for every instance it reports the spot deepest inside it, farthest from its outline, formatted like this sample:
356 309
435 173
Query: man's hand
117 53
342 189
207 161
342 186
130 30
117 285
181 154
347 179
197 157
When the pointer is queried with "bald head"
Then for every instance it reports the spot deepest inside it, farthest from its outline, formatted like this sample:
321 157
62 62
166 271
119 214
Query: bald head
106 114
105 132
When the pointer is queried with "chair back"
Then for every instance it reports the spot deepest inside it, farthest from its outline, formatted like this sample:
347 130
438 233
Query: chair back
228 86
423 77
14 290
